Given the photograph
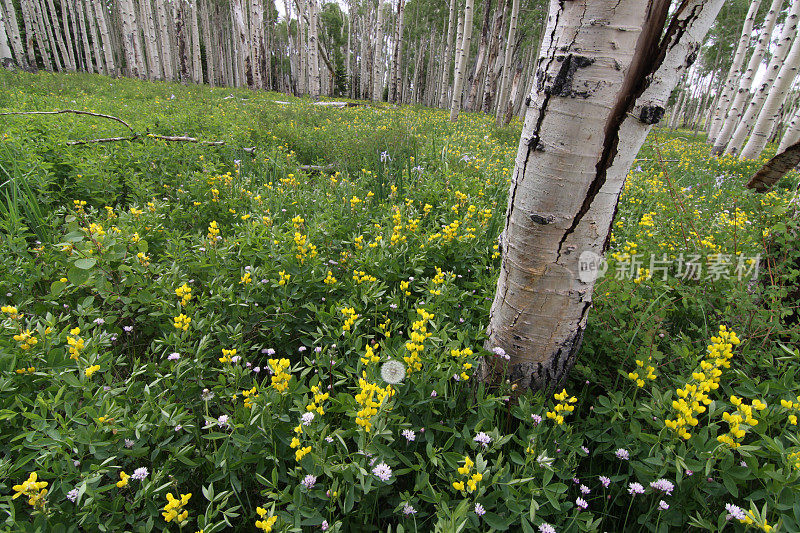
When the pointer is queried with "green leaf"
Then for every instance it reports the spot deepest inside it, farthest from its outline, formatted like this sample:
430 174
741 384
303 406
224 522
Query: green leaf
77 276
85 263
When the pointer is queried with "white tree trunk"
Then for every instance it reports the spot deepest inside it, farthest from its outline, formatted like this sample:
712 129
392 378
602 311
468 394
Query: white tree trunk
51 40
313 49
14 35
68 35
599 91
194 32
29 22
151 48
105 34
257 42
734 73
6 59
486 96
448 54
377 62
397 57
792 134
461 69
211 51
753 108
476 75
41 35
506 76
737 106
91 20
771 109
59 36
81 16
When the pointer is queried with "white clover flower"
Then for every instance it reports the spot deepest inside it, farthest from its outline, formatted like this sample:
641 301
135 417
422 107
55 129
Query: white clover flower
409 434
408 509
393 371
222 421
140 473
635 488
580 502
73 495
544 460
622 454
479 510
383 471
483 439
307 417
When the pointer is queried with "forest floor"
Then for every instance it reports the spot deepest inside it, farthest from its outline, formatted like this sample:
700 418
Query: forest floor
216 336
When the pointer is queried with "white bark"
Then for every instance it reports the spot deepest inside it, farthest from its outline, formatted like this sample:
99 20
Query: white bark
151 47
448 54
759 97
506 76
461 70
90 20
41 36
377 61
59 36
28 21
740 98
81 16
194 32
601 89
792 134
48 32
6 59
397 57
486 97
68 35
313 49
771 109
211 51
105 34
735 72
14 35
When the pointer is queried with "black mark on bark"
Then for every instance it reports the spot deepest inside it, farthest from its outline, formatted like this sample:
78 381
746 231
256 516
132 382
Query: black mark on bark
651 114
562 84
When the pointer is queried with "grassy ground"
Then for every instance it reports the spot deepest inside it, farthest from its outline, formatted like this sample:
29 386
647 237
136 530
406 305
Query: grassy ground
179 311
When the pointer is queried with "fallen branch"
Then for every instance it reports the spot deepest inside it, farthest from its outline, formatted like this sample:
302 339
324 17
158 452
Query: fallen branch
317 168
170 138
73 111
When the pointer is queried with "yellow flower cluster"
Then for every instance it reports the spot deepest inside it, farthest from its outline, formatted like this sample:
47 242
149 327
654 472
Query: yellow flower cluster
319 398
11 311
329 279
751 520
354 201
297 221
110 214
213 230
226 355
34 490
404 287
123 479
460 354
136 212
563 407
744 413
143 258
96 230
79 205
794 460
75 343
26 340
246 279
350 318
359 276
647 372
284 278
304 249
693 397
91 370
249 396
472 480
397 229
792 406
359 242
181 322
29 370
419 332
450 231
370 398
280 378
174 510
370 356
184 292
302 452
265 525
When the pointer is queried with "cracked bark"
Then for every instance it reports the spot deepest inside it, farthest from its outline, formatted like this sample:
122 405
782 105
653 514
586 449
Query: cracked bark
603 77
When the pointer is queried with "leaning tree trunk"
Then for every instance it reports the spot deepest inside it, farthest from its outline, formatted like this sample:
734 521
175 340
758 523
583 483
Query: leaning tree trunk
82 22
769 112
476 75
734 73
92 21
487 95
738 105
448 54
41 36
14 35
6 59
605 72
792 134
68 35
105 34
461 69
512 98
69 63
51 39
28 21
753 108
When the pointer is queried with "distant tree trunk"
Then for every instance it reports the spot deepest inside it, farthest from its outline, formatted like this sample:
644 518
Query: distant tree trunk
29 21
792 134
461 70
50 36
194 28
257 42
6 59
397 57
164 42
14 35
41 35
515 86
476 75
80 14
493 65
738 106
506 76
578 143
90 21
211 51
55 27
787 36
154 69
105 34
242 42
68 35
377 65
771 108
448 54
313 48
734 73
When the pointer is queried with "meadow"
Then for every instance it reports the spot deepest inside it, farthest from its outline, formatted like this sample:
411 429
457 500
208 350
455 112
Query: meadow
201 337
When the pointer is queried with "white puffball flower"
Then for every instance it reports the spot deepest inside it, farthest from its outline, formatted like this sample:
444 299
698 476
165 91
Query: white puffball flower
393 371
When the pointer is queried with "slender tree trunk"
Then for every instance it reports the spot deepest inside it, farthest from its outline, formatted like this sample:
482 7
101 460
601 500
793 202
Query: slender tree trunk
6 59
82 23
51 40
14 35
377 65
207 42
68 35
90 21
738 106
448 54
515 86
506 76
55 27
753 109
242 41
476 75
493 64
792 134
777 96
579 141
397 58
150 40
73 17
257 42
461 70
313 47
164 42
29 20
42 38
734 73
194 29
105 34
